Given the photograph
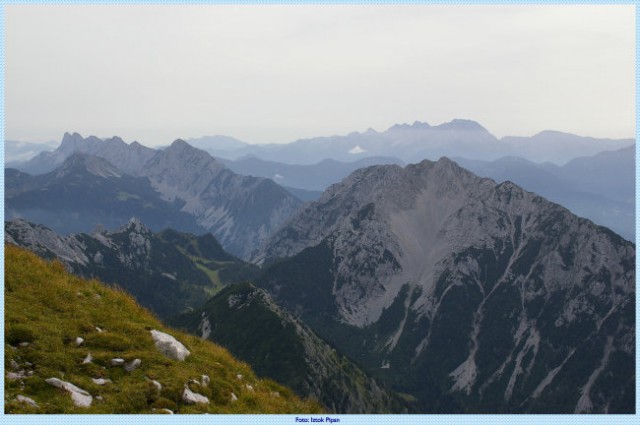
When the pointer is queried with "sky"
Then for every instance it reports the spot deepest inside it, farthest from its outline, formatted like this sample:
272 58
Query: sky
277 73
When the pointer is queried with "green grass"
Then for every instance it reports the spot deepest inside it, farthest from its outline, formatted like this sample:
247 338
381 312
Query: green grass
49 308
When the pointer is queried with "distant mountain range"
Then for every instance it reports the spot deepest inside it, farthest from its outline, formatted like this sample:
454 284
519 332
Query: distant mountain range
17 152
468 295
599 187
86 191
415 142
313 177
180 186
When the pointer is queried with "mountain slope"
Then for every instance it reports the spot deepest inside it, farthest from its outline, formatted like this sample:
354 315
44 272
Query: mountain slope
86 191
245 320
471 296
600 188
167 272
59 326
241 211
316 177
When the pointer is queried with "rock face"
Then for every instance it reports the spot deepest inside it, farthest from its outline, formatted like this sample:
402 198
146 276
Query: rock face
169 346
471 296
240 211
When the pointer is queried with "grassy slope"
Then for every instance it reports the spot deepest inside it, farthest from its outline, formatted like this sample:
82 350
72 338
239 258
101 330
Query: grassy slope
49 308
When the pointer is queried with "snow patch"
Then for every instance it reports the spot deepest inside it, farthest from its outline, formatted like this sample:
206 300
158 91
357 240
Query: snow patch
357 150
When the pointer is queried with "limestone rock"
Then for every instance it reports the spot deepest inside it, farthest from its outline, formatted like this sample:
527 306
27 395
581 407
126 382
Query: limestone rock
190 397
27 400
80 397
169 346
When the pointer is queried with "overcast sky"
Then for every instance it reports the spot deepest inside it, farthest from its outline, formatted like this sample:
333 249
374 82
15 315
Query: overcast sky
276 73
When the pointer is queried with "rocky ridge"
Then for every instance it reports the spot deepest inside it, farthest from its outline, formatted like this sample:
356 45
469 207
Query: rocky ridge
167 272
245 320
241 211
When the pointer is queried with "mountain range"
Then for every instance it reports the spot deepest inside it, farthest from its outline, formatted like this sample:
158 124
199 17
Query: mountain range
599 187
181 187
418 141
167 272
419 288
191 283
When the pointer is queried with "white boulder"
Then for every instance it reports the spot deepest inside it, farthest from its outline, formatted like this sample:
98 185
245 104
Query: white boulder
80 397
190 397
27 400
169 346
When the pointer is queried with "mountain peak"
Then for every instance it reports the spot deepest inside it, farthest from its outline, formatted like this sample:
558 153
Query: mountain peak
183 153
417 125
180 144
79 162
135 225
461 125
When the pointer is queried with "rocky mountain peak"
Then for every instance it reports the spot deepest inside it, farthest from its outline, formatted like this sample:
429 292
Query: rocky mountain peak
135 225
182 153
461 125
80 162
417 125
76 143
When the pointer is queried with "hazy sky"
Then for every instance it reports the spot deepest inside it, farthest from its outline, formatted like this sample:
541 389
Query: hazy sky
276 73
